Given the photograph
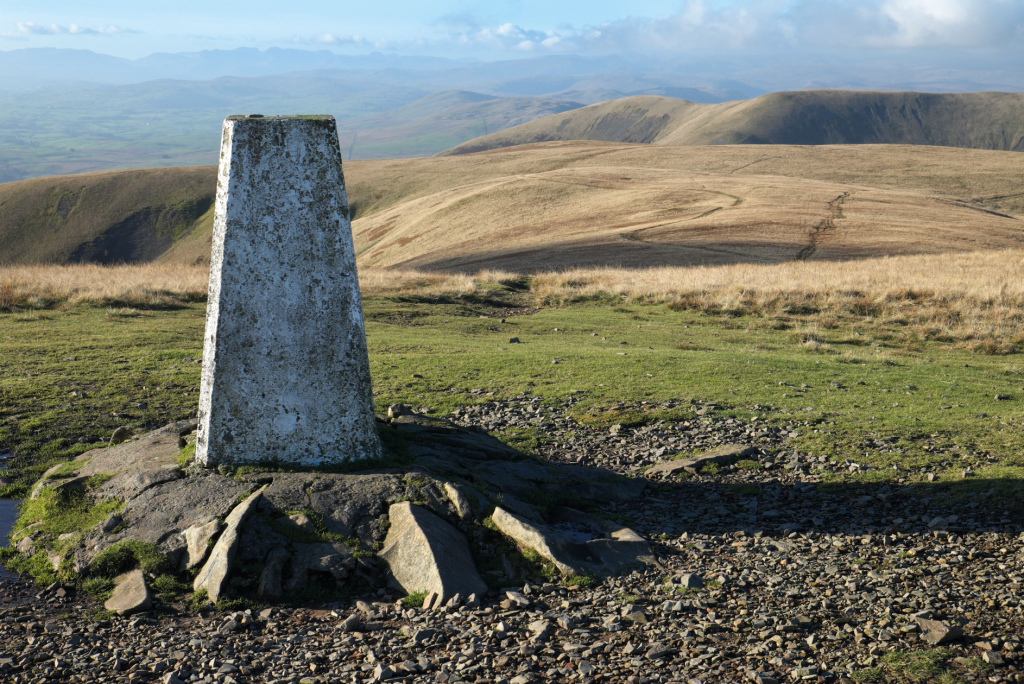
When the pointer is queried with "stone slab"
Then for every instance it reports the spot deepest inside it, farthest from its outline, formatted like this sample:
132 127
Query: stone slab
723 455
136 464
613 549
197 539
285 369
216 570
175 506
131 595
425 553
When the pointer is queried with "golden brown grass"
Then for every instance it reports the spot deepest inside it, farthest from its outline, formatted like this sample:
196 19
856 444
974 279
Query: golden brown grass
582 204
170 285
553 206
973 299
142 285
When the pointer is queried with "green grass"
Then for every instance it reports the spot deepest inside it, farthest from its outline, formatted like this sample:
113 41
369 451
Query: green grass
415 599
127 555
62 512
744 365
168 588
117 364
928 666
99 587
198 601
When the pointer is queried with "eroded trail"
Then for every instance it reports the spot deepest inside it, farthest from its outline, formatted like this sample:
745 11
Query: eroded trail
827 224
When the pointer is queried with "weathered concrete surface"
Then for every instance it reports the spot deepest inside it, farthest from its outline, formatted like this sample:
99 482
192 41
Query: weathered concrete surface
285 370
425 553
584 546
218 567
723 455
131 595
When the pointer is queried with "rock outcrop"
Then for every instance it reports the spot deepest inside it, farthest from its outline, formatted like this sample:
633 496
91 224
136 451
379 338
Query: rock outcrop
312 530
216 570
425 553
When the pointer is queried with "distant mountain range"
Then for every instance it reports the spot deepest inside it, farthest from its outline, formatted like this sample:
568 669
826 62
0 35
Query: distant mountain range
989 121
71 111
439 121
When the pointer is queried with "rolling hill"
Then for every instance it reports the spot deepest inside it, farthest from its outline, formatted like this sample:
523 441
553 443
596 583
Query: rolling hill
988 121
438 121
561 204
105 216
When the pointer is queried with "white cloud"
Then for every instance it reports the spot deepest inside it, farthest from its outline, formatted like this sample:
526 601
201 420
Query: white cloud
29 28
827 23
337 39
953 23
769 24
506 37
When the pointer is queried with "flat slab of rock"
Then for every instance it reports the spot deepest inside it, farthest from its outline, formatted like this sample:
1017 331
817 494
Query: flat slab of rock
578 544
136 465
218 567
175 506
425 553
131 595
936 632
723 455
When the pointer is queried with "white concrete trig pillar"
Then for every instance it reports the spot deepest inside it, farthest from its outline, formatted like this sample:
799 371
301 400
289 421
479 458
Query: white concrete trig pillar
286 377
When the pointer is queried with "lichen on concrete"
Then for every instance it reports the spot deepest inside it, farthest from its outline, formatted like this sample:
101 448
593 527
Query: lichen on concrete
286 375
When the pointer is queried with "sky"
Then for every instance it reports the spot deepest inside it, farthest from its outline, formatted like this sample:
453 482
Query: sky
499 29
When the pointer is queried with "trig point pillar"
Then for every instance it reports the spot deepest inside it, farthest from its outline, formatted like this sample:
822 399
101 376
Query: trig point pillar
286 377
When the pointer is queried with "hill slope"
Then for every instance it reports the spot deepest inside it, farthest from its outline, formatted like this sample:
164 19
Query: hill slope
106 216
557 205
436 122
561 204
989 121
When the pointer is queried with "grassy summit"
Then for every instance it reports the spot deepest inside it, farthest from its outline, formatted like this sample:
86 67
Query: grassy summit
69 377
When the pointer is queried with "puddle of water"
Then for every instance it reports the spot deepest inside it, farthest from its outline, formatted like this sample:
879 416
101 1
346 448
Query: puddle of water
8 514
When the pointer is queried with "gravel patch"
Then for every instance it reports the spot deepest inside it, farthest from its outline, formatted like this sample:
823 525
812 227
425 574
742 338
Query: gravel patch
765 577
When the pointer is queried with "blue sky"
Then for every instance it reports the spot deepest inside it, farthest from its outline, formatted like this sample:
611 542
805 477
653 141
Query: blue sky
508 28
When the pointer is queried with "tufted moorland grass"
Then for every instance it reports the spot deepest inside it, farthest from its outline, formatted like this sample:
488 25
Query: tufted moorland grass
69 376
